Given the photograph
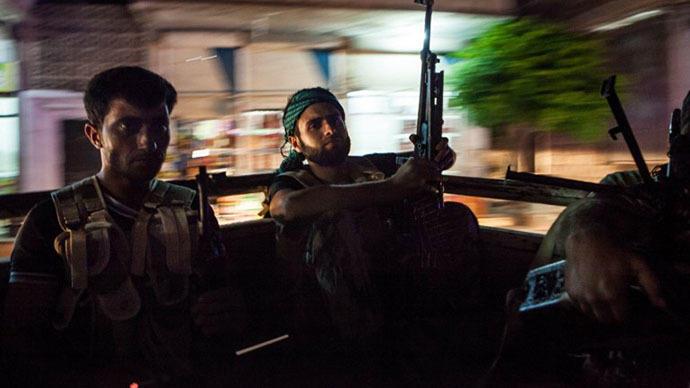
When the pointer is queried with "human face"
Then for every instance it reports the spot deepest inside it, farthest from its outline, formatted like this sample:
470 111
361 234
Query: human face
132 140
321 135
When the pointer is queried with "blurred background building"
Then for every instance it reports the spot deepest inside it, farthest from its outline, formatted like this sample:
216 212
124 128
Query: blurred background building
235 63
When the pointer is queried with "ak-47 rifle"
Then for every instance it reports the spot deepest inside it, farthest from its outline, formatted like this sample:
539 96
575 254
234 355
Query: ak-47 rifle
545 286
430 111
424 212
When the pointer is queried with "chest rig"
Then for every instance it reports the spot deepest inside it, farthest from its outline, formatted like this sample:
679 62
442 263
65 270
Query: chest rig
360 170
116 268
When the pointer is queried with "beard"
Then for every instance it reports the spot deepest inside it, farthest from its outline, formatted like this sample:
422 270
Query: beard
325 157
133 171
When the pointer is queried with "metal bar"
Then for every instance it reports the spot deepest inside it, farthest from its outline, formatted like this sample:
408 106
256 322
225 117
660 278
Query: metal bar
563 182
512 190
17 205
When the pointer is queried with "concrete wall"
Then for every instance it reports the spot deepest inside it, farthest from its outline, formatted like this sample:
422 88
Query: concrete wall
41 141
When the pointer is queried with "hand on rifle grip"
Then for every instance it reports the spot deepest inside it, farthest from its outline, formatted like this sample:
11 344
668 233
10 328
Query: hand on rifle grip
599 273
416 175
445 156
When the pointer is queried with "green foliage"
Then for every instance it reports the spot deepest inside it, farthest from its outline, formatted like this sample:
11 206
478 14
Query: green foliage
534 74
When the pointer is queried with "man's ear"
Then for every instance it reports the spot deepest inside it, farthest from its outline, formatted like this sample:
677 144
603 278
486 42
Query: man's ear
294 142
93 135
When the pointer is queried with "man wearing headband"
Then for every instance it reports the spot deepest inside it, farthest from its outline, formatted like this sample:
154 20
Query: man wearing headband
336 226
315 129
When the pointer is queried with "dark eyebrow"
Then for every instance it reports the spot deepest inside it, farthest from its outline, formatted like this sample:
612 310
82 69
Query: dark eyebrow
127 118
315 120
157 118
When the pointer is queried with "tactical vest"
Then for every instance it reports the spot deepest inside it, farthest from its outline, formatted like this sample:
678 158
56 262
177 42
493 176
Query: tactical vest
99 256
291 238
360 170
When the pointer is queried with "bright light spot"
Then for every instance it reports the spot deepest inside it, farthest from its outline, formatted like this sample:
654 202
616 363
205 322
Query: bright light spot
629 20
259 112
363 93
134 385
9 106
405 42
200 153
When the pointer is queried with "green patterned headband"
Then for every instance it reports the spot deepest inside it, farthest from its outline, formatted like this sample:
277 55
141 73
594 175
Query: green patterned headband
293 110
300 101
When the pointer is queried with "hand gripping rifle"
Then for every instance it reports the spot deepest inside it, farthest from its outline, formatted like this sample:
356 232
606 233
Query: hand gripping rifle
430 110
426 229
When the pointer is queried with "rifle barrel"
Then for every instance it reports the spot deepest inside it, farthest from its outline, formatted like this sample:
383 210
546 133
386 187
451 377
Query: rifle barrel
561 182
202 187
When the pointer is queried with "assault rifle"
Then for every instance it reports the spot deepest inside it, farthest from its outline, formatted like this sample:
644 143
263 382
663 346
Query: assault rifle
545 286
423 215
430 111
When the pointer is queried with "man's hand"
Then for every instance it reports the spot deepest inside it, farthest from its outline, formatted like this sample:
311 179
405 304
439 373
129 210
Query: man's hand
445 156
220 311
416 175
599 274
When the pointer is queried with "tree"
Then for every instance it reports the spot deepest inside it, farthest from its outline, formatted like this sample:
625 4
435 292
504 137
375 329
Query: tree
522 76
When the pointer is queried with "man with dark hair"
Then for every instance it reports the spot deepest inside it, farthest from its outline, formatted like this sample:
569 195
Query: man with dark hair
119 287
339 234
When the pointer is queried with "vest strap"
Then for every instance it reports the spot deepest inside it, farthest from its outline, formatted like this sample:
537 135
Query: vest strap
64 310
90 195
76 258
184 265
170 236
156 196
140 242
97 229
66 208
88 238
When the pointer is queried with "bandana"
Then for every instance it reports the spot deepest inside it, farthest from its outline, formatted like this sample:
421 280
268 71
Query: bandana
300 101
